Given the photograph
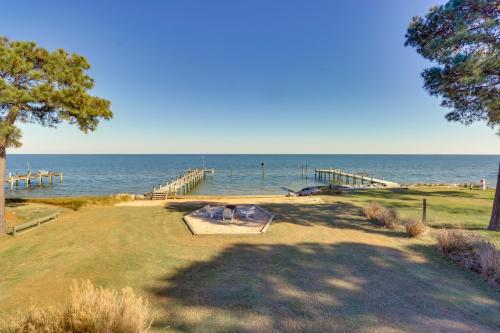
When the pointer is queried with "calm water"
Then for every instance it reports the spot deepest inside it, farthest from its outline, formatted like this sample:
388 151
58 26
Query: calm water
240 174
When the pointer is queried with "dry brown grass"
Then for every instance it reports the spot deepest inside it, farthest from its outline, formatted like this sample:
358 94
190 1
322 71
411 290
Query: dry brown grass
450 241
414 227
373 211
90 309
388 218
471 252
74 203
459 247
489 260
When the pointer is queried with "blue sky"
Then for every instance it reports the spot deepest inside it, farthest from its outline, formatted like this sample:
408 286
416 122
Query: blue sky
246 77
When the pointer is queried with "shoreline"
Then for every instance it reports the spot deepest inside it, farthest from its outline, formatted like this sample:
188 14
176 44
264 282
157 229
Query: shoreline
128 199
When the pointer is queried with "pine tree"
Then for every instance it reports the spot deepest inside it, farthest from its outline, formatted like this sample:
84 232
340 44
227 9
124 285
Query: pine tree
463 38
39 86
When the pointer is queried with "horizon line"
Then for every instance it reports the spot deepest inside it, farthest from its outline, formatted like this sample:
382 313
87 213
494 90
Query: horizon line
410 154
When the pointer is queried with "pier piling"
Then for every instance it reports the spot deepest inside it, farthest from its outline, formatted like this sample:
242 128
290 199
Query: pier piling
350 178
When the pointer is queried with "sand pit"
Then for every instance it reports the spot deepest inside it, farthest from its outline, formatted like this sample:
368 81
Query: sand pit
228 219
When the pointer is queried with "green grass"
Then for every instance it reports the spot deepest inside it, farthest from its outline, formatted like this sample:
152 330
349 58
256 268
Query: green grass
446 207
320 267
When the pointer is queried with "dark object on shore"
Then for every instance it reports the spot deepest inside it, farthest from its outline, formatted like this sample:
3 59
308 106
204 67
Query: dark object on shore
304 192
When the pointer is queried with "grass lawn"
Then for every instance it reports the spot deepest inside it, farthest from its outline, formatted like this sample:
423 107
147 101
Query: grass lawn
320 267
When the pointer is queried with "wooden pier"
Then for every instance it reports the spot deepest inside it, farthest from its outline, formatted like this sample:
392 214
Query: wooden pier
180 185
30 176
338 175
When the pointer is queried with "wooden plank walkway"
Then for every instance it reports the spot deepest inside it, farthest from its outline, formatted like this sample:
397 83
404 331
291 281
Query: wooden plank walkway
30 176
34 223
337 175
180 185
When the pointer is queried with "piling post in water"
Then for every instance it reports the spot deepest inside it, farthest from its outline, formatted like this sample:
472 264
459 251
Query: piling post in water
262 167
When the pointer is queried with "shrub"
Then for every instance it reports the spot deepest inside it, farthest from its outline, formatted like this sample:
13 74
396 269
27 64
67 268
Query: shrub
89 310
414 227
449 241
373 211
389 218
471 252
386 217
458 246
489 260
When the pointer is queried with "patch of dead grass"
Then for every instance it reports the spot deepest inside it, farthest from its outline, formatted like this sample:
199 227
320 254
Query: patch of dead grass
89 310
387 218
414 227
472 252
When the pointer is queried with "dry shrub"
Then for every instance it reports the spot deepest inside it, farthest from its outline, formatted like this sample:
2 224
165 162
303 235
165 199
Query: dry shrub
373 211
89 310
386 217
489 260
458 246
449 241
471 252
36 320
414 227
389 218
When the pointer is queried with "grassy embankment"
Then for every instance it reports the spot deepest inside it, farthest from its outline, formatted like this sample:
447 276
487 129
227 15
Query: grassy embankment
320 267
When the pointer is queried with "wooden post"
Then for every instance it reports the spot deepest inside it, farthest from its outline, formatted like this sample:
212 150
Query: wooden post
61 177
424 210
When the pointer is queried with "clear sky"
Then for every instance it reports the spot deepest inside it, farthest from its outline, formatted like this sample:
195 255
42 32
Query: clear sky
246 77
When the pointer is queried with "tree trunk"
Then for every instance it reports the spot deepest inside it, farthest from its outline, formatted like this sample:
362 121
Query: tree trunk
3 225
495 214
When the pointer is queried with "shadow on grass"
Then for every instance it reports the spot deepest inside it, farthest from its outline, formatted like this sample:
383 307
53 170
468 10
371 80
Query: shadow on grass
187 207
313 287
403 194
15 202
340 215
337 215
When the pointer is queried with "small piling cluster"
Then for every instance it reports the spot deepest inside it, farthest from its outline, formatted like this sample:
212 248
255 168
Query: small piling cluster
304 171
27 178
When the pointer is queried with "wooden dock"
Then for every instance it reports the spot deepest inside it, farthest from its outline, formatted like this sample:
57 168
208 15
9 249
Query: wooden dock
338 175
180 185
27 178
